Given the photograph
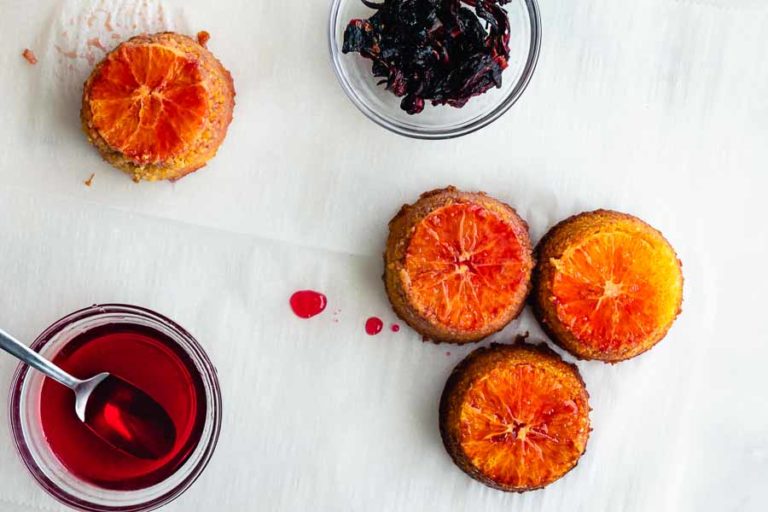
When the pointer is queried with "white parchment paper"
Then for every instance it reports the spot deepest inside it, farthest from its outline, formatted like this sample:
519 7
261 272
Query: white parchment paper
658 108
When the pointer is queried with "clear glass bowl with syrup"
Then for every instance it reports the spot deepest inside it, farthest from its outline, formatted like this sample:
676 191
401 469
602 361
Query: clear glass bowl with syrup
148 350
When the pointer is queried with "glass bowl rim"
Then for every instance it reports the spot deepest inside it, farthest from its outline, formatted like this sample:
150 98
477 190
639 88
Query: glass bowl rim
514 95
21 441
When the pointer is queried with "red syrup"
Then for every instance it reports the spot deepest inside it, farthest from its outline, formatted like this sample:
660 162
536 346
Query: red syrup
373 326
150 361
395 328
308 303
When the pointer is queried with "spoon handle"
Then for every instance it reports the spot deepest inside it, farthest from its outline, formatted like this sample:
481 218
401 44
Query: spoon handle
35 360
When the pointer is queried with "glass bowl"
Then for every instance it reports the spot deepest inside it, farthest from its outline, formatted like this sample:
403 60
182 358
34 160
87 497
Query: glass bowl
30 440
435 122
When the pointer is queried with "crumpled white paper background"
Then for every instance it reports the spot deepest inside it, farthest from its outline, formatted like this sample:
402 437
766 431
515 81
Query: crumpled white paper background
658 108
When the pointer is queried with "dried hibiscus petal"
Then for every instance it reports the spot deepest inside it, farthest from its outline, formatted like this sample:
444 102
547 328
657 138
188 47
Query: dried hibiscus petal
433 50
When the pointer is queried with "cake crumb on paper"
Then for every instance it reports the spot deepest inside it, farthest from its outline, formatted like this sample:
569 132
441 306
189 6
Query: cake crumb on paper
89 181
203 37
29 55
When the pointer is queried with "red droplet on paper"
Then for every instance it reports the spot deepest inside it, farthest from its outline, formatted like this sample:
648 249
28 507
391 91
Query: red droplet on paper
308 303
373 326
395 328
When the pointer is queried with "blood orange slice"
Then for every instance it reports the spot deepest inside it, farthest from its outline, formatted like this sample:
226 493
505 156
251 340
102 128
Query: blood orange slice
515 417
609 286
158 106
148 101
457 265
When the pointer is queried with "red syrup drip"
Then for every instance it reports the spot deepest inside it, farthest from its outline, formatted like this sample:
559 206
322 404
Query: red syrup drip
308 303
395 328
373 326
146 359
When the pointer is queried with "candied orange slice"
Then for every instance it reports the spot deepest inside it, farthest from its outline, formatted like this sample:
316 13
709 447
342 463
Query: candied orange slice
464 264
458 266
613 286
515 417
148 101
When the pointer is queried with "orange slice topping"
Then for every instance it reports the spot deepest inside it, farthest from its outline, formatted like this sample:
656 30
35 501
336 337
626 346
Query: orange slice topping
148 101
615 290
525 425
464 266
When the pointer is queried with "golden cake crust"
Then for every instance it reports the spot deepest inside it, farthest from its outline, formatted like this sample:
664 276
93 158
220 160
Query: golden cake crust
556 441
207 137
400 284
570 235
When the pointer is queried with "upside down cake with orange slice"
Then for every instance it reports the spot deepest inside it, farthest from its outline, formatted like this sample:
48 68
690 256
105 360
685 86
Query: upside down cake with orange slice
515 417
457 265
608 286
158 106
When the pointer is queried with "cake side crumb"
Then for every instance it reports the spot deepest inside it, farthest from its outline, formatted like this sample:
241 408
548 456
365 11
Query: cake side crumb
29 55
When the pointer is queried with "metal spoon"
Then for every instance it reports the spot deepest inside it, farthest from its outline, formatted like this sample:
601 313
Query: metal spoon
116 411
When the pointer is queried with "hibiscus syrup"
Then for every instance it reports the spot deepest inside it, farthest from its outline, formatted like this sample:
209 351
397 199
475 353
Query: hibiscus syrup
308 303
150 361
373 326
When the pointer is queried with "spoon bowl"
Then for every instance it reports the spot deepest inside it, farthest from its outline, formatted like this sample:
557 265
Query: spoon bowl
125 417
